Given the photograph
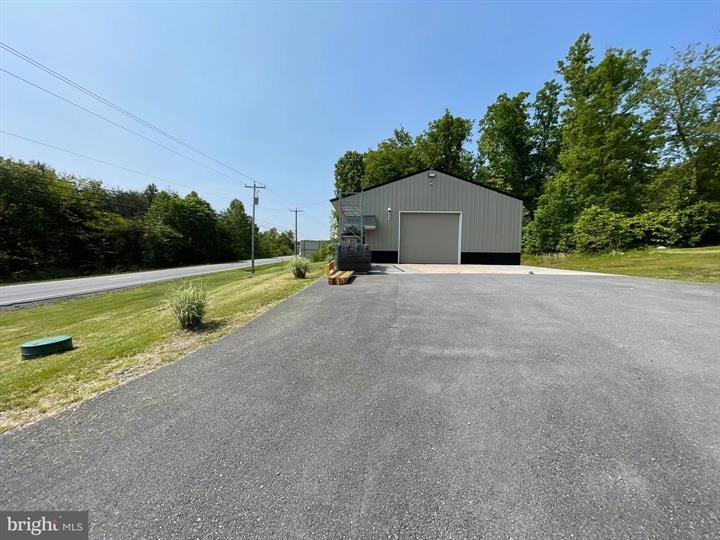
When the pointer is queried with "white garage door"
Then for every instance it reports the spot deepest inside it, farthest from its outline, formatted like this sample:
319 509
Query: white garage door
430 238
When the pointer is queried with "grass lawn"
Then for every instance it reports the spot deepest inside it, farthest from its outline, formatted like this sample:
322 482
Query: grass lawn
121 335
688 264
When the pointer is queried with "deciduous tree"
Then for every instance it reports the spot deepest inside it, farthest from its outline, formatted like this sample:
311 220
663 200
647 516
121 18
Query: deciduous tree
684 95
392 158
505 146
442 146
608 147
349 172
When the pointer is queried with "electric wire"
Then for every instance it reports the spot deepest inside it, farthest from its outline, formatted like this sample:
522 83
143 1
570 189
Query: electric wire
110 164
117 124
112 105
123 111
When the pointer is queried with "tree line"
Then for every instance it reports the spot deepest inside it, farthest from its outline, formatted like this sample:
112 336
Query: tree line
59 225
610 155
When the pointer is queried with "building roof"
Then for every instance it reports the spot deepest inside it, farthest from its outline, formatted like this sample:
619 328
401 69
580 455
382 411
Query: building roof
479 184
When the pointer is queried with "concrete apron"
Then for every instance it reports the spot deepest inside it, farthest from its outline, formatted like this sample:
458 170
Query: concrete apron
476 269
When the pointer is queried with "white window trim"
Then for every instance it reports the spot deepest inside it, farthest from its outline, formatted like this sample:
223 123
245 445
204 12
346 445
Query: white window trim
401 212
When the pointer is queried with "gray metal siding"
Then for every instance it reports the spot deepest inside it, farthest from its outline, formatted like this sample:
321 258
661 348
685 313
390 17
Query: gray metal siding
491 222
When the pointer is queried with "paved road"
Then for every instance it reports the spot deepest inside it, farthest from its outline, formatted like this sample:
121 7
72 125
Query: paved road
409 405
48 290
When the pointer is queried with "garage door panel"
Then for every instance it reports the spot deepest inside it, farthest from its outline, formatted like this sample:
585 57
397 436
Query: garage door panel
429 238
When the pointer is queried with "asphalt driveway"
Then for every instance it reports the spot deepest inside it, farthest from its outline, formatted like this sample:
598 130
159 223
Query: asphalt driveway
409 405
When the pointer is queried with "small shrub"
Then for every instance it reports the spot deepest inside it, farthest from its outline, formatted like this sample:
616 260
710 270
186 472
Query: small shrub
299 266
325 253
712 235
599 229
685 227
693 223
531 242
188 303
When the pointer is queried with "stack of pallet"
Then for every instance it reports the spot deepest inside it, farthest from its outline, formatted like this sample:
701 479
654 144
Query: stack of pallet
340 277
337 277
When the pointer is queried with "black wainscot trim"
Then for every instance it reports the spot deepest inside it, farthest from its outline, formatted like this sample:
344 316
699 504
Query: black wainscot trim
385 256
469 257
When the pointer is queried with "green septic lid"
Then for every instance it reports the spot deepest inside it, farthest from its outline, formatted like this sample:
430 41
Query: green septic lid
44 346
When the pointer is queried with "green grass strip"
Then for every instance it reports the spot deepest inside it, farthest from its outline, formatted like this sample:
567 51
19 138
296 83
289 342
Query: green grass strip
688 264
121 335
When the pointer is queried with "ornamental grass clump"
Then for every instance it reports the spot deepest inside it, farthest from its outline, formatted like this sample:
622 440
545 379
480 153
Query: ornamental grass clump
188 302
299 266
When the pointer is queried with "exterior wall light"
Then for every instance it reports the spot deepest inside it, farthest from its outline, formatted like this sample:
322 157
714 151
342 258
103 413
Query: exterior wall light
389 211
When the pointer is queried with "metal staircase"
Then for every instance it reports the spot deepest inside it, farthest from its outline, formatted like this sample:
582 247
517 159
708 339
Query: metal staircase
351 220
351 252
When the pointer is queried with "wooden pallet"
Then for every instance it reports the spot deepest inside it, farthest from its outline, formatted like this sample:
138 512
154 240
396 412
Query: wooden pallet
340 278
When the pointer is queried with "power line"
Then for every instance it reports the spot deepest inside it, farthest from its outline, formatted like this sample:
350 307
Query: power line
272 209
268 223
324 201
276 195
110 104
117 124
303 207
264 224
121 167
125 112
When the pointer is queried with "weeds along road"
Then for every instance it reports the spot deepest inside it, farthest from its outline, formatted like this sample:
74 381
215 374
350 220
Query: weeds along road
42 291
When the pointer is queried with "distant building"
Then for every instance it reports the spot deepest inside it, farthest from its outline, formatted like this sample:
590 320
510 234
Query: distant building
309 247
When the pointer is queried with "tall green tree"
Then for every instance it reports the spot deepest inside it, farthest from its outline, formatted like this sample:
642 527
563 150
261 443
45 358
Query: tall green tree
191 225
505 146
349 172
164 241
392 158
127 203
60 225
608 148
684 95
442 146
237 226
546 134
150 192
557 211
272 243
32 212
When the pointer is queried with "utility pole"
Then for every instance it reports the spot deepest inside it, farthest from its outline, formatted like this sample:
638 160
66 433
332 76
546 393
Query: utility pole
297 241
255 201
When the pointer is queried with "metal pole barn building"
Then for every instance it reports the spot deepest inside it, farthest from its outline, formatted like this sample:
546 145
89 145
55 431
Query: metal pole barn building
435 217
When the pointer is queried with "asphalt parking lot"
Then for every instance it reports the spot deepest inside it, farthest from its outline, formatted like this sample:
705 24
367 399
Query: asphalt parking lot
409 405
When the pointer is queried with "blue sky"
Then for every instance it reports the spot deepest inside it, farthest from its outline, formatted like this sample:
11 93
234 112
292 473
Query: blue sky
280 90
